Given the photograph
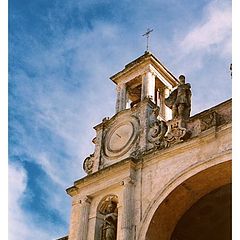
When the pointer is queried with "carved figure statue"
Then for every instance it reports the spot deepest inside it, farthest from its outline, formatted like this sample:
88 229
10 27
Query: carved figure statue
180 100
109 229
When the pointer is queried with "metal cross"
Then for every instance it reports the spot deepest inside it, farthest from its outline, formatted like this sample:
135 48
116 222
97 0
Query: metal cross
147 35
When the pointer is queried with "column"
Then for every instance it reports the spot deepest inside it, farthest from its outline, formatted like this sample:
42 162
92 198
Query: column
121 97
79 219
128 209
148 86
168 111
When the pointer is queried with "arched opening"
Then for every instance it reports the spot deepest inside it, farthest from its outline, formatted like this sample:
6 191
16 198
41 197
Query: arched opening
106 220
209 218
164 222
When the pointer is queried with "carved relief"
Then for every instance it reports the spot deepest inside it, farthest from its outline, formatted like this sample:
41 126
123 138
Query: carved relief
88 164
177 132
209 121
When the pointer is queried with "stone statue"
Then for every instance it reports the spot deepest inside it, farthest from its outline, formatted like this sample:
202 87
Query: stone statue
180 100
109 228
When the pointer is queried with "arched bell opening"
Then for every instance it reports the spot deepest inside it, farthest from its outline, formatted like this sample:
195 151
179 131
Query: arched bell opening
164 222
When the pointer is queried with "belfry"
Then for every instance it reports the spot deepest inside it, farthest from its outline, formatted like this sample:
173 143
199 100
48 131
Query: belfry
157 173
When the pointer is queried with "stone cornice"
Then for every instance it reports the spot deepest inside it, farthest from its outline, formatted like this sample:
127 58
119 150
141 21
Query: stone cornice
128 163
214 108
145 59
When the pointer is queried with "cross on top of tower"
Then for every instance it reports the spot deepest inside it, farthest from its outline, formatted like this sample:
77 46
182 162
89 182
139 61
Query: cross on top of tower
147 36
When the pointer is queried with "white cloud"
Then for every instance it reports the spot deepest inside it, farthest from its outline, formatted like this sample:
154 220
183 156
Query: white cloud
21 225
213 30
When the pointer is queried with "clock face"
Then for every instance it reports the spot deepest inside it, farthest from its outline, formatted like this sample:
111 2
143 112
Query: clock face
120 138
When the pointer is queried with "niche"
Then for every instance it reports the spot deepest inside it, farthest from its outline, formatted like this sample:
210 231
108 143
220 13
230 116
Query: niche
106 220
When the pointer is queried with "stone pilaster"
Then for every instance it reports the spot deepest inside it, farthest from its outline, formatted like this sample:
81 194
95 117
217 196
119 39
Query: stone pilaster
145 111
127 214
79 219
118 100
98 144
121 97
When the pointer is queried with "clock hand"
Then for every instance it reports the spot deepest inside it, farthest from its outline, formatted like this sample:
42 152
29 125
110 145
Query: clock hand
118 135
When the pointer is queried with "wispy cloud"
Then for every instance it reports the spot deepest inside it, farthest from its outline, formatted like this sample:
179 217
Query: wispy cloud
21 225
214 29
210 36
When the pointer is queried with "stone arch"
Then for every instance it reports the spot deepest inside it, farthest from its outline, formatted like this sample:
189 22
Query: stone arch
179 195
101 212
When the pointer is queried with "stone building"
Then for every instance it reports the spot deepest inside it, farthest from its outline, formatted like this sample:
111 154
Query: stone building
156 173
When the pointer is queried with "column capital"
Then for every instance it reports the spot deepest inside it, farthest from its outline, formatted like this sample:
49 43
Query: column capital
149 69
85 200
82 200
121 85
127 181
118 88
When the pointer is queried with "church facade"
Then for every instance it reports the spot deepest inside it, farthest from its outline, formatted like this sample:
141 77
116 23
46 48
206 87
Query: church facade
157 173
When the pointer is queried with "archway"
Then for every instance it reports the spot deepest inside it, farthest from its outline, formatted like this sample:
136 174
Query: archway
209 218
183 197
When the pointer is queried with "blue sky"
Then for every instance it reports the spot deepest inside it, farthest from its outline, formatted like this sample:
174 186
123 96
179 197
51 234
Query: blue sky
61 55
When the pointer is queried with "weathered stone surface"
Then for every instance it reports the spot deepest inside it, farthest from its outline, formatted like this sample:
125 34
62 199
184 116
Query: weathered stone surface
153 167
156 172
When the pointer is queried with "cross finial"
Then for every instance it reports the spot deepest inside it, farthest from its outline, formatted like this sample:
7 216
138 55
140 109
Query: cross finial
147 36
231 69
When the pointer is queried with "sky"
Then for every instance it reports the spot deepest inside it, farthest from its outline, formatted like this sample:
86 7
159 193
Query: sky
61 55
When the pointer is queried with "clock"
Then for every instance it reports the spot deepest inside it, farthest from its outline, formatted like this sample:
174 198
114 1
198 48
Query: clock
120 137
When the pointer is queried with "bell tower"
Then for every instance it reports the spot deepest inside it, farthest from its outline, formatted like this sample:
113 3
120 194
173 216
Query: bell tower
143 78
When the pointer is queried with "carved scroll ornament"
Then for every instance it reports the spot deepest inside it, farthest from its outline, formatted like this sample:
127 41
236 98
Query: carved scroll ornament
157 129
88 164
